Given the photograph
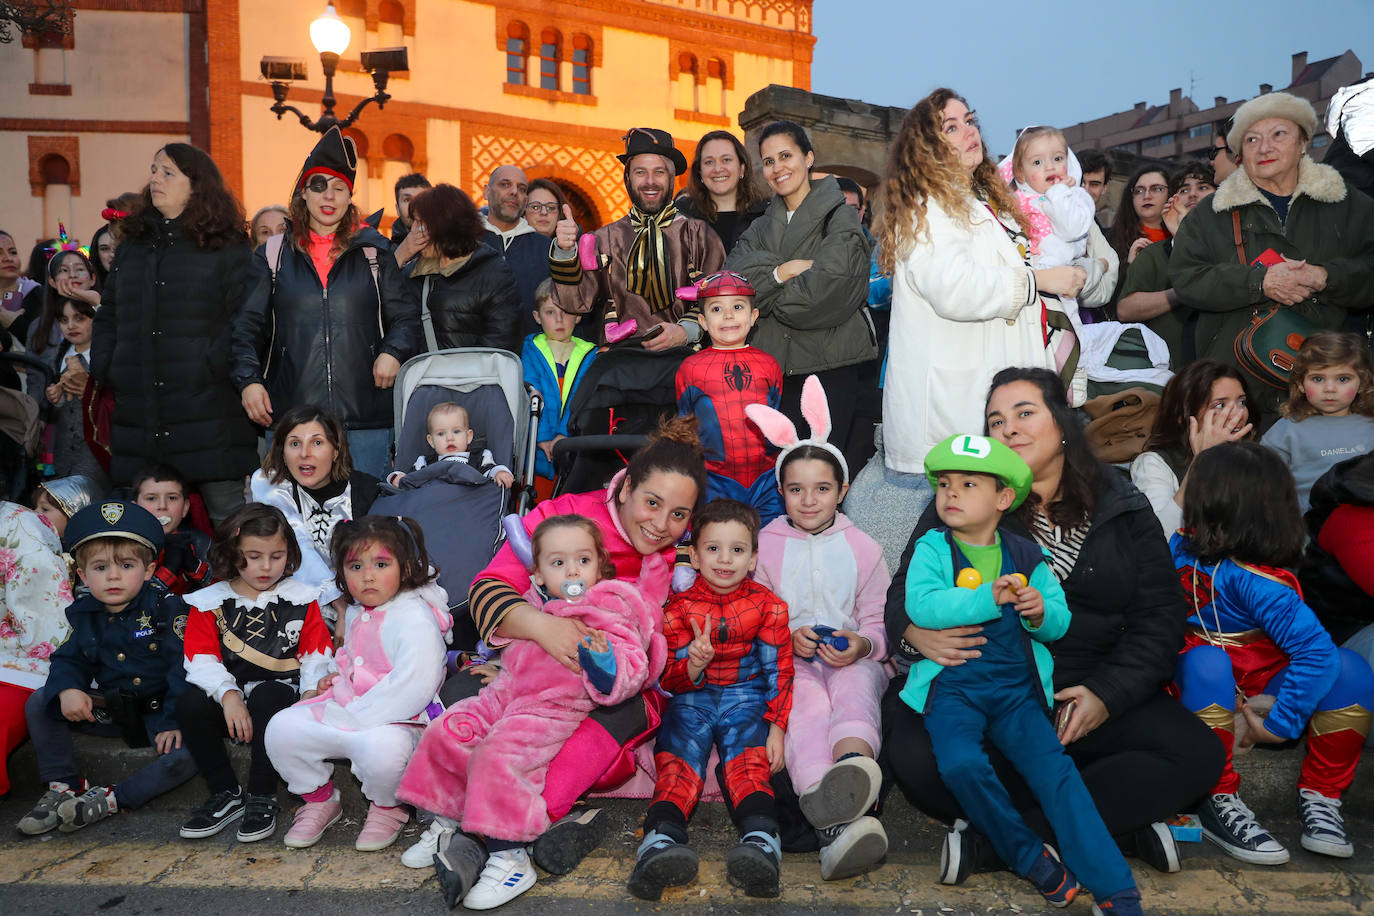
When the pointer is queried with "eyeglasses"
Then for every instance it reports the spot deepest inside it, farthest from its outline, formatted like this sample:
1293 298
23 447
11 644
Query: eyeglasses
1141 190
1216 150
549 208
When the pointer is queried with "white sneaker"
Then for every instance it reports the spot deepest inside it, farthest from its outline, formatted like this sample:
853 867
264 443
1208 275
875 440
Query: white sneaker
507 875
1323 831
421 855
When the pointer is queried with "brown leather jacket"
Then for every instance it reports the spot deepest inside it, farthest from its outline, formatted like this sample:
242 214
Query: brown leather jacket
694 251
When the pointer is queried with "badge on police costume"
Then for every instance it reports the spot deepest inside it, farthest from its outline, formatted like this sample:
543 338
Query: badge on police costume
112 512
179 627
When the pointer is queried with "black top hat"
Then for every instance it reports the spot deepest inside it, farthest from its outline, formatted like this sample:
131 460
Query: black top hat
114 519
334 155
652 140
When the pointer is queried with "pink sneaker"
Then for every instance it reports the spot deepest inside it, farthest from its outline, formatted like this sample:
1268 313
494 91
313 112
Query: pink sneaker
312 819
382 827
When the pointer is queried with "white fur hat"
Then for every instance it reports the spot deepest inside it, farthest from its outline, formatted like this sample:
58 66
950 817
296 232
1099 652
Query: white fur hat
1272 105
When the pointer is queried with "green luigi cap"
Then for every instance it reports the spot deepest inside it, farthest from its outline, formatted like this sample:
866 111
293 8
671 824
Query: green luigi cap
980 455
114 518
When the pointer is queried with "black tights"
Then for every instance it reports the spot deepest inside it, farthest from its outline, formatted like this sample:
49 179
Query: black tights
203 731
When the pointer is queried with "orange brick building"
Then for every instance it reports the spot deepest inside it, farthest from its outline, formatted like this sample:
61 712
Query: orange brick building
548 85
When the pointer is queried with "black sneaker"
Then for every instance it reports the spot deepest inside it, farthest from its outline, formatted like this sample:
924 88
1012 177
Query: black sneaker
1155 844
458 866
966 852
219 811
259 818
852 849
1323 831
664 860
569 840
755 865
1228 823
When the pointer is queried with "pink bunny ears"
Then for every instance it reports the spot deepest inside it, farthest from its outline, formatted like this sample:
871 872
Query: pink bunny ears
780 431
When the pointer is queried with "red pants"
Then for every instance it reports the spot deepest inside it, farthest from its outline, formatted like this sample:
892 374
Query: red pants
13 727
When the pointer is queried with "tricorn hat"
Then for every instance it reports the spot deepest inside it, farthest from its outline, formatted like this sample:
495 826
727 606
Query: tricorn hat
652 140
334 155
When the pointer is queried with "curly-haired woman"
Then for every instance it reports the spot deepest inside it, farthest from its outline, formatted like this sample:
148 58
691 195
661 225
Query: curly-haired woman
965 301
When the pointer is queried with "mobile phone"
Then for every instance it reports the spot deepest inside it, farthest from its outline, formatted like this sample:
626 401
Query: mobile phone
12 302
1062 713
654 332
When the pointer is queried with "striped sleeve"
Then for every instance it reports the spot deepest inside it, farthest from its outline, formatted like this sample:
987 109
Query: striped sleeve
489 601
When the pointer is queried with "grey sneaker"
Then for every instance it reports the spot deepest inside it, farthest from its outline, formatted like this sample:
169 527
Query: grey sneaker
852 849
44 817
85 809
1323 830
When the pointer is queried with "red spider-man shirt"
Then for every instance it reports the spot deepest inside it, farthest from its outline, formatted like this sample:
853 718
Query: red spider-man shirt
750 632
715 385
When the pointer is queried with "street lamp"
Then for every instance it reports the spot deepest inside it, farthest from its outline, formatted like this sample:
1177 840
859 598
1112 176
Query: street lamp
330 36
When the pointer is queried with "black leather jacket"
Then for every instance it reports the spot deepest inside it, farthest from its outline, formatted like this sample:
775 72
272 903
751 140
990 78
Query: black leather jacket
312 345
478 305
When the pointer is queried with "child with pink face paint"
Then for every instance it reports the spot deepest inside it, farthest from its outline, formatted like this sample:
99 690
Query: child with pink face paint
382 690
1329 416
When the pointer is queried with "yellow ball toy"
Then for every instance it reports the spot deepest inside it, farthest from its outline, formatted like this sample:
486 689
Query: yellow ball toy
1020 578
968 578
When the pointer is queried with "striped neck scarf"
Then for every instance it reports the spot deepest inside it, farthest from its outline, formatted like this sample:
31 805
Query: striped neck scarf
1063 544
646 270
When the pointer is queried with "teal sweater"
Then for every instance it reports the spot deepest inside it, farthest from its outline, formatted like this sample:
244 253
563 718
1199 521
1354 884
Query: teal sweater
935 603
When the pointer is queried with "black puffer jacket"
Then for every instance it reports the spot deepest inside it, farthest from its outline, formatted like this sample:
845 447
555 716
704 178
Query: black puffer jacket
161 340
310 345
476 305
1124 596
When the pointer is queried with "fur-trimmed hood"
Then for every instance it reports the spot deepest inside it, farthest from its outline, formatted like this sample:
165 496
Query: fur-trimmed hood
1320 182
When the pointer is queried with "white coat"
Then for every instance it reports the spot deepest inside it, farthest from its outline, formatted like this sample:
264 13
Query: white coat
964 305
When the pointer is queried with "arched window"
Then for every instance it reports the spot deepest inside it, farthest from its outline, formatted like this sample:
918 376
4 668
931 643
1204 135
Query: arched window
391 18
714 102
517 53
57 192
354 13
582 65
549 52
400 153
687 82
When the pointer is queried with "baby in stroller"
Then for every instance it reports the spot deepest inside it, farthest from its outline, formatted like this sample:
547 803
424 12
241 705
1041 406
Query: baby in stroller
448 430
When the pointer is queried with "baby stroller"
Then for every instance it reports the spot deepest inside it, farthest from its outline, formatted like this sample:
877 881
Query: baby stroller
22 416
459 509
620 400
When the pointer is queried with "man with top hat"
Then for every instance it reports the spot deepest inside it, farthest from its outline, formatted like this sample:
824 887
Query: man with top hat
119 673
630 279
335 308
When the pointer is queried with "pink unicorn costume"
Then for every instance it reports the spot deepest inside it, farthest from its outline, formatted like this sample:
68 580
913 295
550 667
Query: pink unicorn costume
500 743
836 578
389 669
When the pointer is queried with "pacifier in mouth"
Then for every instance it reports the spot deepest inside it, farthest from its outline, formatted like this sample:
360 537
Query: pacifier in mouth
164 520
574 588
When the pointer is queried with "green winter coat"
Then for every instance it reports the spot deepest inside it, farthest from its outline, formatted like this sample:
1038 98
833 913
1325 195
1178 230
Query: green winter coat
817 320
1329 224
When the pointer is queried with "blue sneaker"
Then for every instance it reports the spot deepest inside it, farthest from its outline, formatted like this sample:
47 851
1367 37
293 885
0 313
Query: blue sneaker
1122 903
1053 880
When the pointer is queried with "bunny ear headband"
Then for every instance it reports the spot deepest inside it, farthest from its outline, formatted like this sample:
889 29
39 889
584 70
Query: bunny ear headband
779 430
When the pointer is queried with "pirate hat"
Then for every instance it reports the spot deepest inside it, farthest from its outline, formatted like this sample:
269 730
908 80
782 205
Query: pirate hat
335 155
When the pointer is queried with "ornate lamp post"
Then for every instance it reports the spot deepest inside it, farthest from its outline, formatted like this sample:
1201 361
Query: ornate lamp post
330 36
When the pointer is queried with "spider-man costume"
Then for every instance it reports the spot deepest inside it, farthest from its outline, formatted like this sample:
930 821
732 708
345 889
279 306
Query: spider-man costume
745 687
715 385
1251 631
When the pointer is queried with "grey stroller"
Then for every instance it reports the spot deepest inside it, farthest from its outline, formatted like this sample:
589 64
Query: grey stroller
459 509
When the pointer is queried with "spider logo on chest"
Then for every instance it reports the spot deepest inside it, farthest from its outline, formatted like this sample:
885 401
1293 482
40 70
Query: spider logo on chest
738 376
